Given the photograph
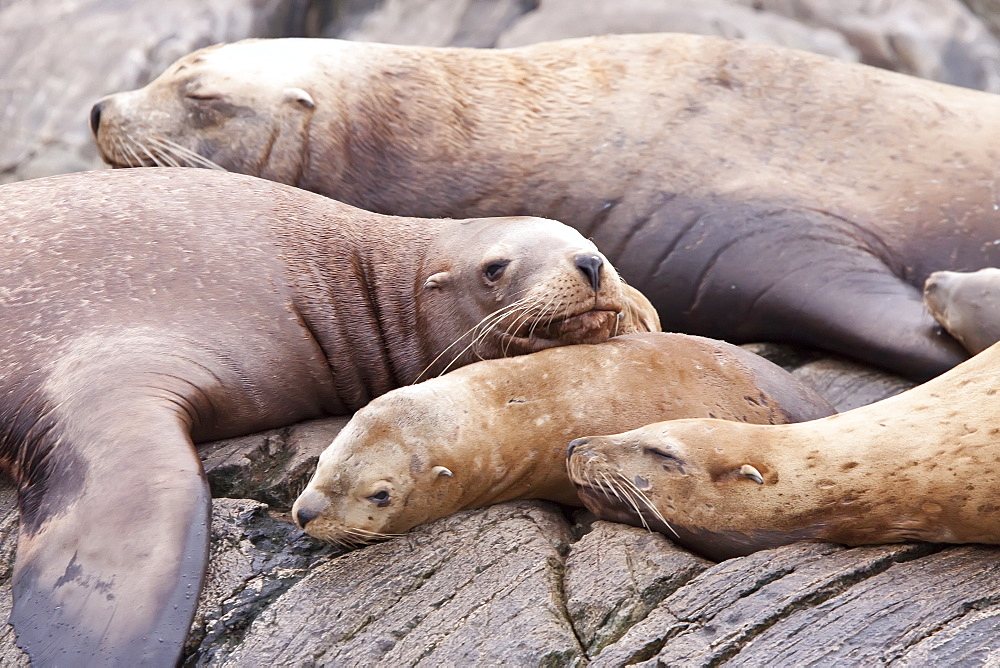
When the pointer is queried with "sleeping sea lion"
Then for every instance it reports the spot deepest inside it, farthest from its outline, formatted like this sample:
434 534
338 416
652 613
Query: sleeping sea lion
752 192
497 430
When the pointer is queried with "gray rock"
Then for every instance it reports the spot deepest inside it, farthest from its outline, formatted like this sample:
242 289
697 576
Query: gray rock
474 23
58 58
478 588
616 574
935 39
559 19
272 466
10 655
847 384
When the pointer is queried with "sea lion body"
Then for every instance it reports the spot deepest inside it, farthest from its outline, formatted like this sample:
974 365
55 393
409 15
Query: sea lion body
921 466
146 309
497 430
751 192
967 304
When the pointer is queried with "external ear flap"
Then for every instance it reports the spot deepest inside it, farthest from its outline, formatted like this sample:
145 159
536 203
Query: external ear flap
437 280
442 471
299 96
752 473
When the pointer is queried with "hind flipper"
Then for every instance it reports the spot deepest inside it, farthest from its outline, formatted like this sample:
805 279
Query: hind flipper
112 547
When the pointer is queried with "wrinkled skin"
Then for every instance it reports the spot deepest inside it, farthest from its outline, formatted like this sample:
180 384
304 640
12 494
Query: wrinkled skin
751 192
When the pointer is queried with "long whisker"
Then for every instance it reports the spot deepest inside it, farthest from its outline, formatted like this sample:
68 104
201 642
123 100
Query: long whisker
183 153
489 319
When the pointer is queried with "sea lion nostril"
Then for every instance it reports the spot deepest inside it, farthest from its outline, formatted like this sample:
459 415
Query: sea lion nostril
95 117
304 516
573 444
590 265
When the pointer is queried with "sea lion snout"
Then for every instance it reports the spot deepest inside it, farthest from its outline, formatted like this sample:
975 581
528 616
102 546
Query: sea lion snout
308 507
95 116
572 445
590 264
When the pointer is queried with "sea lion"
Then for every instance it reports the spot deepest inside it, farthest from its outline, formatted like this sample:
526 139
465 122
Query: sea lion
921 466
497 430
752 192
146 309
967 305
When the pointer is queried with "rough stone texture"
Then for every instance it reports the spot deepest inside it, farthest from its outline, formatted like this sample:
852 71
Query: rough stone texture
255 557
559 19
616 574
10 655
477 588
842 382
475 23
988 12
58 58
272 466
935 39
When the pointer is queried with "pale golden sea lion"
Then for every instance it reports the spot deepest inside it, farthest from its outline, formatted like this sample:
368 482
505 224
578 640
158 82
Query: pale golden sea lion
921 466
147 309
751 192
498 430
967 305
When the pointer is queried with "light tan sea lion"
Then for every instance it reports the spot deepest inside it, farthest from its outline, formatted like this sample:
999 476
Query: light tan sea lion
148 309
967 305
751 192
921 466
498 430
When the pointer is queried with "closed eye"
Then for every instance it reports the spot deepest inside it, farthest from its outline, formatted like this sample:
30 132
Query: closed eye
666 457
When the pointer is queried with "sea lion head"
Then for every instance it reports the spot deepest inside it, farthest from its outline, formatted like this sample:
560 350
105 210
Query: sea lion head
248 109
682 478
524 284
964 303
384 473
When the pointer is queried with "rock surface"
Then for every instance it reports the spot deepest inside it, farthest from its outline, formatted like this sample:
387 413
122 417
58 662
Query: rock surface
58 58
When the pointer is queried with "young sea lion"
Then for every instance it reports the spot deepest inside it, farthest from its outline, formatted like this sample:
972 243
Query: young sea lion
498 430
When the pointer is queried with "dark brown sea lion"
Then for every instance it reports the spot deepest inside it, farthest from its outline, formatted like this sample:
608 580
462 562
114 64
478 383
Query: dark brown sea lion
921 466
967 305
146 309
497 430
751 192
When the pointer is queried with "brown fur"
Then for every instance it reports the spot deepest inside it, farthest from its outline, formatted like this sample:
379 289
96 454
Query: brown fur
751 192
921 466
500 427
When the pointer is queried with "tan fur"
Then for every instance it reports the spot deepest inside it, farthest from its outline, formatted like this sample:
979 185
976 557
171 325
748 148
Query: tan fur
921 466
500 428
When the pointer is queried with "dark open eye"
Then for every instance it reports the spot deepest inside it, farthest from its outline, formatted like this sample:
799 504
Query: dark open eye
380 497
493 270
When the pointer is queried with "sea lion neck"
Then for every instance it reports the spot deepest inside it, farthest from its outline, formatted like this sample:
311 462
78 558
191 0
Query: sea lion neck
354 275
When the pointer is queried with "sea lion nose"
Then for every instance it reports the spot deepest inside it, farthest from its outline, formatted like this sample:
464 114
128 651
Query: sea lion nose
590 265
304 516
95 116
573 444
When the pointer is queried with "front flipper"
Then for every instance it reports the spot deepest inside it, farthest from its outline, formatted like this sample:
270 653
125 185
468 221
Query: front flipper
113 543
